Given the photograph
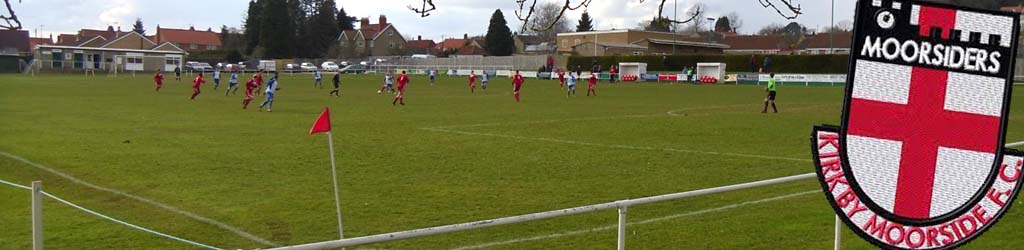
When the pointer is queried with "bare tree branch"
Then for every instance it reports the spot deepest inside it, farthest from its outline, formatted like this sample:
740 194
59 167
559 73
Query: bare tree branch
424 11
794 11
11 19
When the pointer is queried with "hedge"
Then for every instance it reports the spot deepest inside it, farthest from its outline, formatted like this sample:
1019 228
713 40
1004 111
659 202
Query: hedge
807 64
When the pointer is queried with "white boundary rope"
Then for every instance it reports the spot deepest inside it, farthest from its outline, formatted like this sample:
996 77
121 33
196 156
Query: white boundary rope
129 224
15 185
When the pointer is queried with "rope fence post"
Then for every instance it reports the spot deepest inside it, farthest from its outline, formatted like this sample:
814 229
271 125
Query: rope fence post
839 231
37 215
622 228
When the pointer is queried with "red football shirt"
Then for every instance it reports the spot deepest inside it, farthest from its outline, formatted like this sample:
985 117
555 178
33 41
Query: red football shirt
518 80
159 78
402 80
593 79
472 78
199 80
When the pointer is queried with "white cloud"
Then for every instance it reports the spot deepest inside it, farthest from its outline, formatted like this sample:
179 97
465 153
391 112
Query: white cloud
121 12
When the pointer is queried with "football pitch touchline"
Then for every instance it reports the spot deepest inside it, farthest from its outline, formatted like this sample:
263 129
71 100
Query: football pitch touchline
617 146
647 221
170 208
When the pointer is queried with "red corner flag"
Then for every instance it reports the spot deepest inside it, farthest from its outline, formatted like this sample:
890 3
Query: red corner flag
323 123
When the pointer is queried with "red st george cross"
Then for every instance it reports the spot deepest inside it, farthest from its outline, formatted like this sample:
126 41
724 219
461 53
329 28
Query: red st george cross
923 125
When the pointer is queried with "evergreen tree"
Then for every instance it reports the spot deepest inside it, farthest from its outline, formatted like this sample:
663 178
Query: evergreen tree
252 26
138 28
586 24
277 29
660 24
345 22
324 28
298 38
499 37
723 25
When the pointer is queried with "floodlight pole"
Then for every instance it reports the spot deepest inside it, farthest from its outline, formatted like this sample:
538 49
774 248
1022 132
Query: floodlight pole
831 45
675 16
334 174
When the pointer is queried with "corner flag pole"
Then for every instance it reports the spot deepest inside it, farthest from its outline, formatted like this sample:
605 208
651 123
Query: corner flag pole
323 124
334 175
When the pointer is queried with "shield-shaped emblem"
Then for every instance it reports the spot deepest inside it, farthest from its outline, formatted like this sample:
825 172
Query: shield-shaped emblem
921 140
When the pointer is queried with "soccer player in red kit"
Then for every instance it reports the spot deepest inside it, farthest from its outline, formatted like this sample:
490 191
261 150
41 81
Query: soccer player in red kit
195 85
403 79
250 87
159 79
259 80
472 81
517 84
591 84
561 78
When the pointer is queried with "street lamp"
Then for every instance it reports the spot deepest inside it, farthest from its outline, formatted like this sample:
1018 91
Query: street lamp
711 24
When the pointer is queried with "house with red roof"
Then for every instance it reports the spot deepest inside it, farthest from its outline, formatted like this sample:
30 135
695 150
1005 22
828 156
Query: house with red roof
91 50
379 39
190 39
464 46
421 47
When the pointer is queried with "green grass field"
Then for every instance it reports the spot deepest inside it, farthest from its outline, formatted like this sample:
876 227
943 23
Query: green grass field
447 157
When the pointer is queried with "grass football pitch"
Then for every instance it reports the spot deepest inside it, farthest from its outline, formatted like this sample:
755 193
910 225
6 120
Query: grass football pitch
447 157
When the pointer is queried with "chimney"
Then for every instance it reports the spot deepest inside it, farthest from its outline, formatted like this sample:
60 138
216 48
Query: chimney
419 38
465 36
383 21
209 29
191 28
363 23
110 28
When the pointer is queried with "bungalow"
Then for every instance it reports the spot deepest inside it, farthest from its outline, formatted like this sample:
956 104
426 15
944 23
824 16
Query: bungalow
191 40
128 52
380 39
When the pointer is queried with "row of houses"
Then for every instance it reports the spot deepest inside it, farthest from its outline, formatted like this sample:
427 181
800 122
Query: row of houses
110 49
384 39
637 42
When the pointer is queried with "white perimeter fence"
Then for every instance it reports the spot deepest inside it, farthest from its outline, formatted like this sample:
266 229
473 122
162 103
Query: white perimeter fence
622 206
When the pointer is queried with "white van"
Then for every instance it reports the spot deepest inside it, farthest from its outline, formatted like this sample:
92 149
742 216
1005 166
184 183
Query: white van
267 65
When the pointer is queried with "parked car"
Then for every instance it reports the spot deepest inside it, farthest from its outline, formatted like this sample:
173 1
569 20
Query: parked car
344 63
329 66
198 66
354 69
291 67
241 66
308 67
364 63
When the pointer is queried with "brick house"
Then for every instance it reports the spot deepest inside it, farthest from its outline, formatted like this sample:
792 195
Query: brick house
422 47
191 40
380 39
464 46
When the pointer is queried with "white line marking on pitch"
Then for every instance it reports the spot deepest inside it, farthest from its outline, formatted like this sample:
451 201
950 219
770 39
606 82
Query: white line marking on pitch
618 146
591 118
1020 143
647 221
197 217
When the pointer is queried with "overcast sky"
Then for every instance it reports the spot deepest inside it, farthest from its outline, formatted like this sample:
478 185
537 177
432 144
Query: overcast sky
453 17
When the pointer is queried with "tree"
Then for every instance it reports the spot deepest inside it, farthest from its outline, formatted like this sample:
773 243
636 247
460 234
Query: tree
324 28
770 29
548 13
11 19
735 22
697 18
660 24
723 25
234 56
252 26
277 29
499 36
345 22
138 28
585 24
